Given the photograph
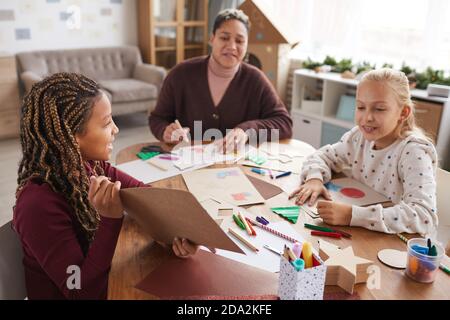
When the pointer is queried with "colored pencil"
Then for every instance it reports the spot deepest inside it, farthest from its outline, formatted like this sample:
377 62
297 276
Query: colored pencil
344 234
444 268
245 223
243 240
262 220
325 229
275 232
251 228
318 228
291 254
265 221
284 174
326 234
238 222
169 158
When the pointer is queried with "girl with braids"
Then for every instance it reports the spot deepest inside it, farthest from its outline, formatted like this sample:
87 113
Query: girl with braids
68 212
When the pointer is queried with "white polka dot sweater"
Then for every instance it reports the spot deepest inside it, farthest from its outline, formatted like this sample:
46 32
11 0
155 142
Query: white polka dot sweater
405 172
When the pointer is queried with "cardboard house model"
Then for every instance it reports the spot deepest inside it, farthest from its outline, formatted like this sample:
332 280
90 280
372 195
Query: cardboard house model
270 42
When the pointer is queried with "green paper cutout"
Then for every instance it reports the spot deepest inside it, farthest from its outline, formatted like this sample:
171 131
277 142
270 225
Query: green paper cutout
256 159
289 213
147 155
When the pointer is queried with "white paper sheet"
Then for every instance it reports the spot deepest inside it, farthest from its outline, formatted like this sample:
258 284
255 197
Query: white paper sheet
147 173
185 159
264 259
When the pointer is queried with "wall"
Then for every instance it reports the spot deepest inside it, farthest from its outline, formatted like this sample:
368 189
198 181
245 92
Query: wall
215 6
55 24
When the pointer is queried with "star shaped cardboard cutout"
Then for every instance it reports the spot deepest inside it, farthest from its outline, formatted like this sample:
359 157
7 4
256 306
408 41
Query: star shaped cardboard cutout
344 269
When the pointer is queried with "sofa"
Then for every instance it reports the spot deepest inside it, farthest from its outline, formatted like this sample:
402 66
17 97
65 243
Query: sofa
131 85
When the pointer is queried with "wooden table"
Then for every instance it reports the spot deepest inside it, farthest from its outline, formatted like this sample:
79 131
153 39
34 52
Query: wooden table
137 254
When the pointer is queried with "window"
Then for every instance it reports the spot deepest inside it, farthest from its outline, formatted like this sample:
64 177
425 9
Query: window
384 31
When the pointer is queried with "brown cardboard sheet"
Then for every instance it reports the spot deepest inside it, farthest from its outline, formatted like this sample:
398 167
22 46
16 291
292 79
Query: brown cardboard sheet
168 213
207 274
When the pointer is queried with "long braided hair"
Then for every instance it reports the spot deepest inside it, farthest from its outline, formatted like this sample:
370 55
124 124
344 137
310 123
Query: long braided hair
53 112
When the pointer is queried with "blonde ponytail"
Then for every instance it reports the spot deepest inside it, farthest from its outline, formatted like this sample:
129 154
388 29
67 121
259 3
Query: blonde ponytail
399 83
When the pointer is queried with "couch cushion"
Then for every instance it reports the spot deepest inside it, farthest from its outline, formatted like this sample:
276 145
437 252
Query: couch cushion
124 90
96 63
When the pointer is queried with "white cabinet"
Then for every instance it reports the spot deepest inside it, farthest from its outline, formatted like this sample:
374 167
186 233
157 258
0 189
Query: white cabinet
316 101
307 129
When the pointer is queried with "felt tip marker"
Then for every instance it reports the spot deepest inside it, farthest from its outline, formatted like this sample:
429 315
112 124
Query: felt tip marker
284 174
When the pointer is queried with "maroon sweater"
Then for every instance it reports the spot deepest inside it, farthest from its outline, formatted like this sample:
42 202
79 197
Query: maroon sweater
250 102
46 226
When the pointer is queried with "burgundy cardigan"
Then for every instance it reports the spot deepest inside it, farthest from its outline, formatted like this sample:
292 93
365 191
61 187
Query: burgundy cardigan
250 102
46 226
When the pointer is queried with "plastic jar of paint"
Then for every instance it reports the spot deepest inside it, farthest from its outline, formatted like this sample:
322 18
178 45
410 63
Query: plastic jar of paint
422 267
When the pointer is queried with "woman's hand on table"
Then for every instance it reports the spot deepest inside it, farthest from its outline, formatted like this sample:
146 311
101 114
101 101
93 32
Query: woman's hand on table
175 134
234 141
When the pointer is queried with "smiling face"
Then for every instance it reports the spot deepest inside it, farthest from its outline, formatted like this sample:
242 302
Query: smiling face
229 43
96 140
379 114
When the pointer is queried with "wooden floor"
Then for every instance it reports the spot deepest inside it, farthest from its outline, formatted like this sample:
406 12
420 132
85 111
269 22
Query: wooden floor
133 129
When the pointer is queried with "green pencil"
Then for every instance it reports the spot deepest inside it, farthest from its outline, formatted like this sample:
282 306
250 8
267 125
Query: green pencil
444 268
318 228
238 222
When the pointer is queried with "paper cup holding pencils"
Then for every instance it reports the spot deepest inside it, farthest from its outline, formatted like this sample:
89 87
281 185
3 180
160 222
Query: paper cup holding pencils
306 284
423 263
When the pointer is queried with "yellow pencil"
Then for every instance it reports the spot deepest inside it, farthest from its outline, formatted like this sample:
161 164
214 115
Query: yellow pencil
243 240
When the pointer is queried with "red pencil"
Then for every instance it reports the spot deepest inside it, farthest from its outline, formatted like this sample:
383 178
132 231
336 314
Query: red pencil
326 234
344 234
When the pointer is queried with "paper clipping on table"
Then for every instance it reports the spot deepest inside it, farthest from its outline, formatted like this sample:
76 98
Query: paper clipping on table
208 153
278 157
